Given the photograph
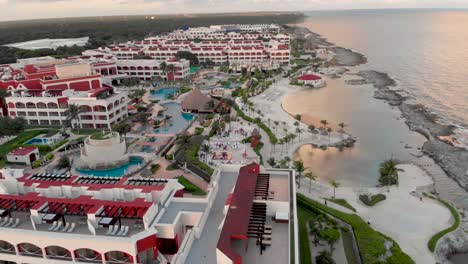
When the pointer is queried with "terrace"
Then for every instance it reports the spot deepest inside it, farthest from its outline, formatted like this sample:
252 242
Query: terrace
112 218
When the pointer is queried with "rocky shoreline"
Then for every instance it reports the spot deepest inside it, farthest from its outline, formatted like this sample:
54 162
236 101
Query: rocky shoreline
452 159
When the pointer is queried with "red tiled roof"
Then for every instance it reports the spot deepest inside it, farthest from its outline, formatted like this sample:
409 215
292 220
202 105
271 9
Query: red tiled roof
237 219
310 77
22 151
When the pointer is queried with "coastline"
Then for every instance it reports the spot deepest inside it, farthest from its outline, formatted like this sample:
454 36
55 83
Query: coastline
439 145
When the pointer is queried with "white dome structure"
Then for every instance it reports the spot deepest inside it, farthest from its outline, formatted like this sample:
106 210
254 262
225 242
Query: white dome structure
104 151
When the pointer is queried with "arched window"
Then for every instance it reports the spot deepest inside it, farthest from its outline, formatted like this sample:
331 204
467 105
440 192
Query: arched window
6 247
41 105
86 254
119 257
30 105
28 249
20 105
52 105
57 252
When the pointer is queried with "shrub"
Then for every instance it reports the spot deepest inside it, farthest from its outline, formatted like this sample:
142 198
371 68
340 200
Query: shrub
199 130
155 168
170 156
49 156
172 167
324 257
36 164
63 163
371 200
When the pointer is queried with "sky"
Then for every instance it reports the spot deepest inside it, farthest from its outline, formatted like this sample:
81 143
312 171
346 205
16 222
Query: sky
31 9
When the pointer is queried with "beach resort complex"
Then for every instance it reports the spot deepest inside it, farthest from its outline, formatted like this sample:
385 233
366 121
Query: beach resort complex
230 139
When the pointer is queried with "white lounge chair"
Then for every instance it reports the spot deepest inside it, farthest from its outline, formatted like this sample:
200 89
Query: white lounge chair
59 225
110 230
9 223
72 228
125 231
65 228
116 228
122 230
16 222
53 226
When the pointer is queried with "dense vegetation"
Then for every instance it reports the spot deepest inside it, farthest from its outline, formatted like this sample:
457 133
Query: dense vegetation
10 127
370 242
107 30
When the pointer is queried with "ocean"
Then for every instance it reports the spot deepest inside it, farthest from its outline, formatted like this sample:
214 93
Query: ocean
424 50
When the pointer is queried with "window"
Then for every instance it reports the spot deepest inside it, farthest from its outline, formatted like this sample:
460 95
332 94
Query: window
32 114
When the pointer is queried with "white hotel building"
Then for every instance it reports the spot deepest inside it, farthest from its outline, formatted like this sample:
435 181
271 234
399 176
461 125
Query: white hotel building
42 93
54 219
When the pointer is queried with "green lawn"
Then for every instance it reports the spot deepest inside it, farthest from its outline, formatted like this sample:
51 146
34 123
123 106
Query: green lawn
343 203
17 142
190 187
304 250
433 241
370 242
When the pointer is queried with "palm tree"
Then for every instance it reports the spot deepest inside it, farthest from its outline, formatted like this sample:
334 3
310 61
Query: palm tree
299 166
388 173
163 68
298 117
335 184
311 177
329 130
298 131
276 126
73 113
206 149
311 128
324 122
342 125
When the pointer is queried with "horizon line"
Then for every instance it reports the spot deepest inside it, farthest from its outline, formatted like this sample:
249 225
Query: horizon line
241 13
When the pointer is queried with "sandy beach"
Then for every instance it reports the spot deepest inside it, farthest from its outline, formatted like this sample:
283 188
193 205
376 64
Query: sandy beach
402 216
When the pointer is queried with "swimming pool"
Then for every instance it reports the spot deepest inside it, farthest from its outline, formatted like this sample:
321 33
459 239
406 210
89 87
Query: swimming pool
36 141
164 93
116 172
178 122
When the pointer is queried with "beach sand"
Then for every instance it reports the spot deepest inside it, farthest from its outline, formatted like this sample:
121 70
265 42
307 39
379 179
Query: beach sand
402 216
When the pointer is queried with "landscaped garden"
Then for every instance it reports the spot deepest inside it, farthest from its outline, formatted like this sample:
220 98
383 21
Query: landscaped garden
190 187
371 243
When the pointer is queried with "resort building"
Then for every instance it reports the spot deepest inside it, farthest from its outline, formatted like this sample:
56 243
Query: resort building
175 70
311 80
61 218
23 155
42 93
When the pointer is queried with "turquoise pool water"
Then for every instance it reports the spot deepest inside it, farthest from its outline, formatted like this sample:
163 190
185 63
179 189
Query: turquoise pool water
178 122
36 141
164 93
116 172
